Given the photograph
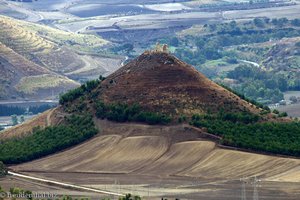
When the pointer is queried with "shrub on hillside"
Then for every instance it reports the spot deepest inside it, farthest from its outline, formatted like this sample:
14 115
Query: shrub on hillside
126 113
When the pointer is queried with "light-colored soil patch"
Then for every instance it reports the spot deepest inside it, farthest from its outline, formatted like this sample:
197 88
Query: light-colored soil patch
167 7
162 151
31 84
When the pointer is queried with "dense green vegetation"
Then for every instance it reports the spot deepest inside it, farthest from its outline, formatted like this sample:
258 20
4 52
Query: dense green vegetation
78 92
242 96
16 110
127 113
130 197
259 84
244 131
47 141
123 48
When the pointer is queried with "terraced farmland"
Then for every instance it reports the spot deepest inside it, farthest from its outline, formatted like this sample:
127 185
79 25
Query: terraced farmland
36 37
36 58
21 40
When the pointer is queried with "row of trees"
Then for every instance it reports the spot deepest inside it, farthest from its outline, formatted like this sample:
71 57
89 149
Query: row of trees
278 138
46 141
123 113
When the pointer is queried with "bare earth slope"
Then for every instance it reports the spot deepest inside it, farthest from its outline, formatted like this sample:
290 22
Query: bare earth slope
140 149
161 82
164 161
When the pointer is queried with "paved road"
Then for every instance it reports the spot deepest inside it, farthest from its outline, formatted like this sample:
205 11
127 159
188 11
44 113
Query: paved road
64 184
123 63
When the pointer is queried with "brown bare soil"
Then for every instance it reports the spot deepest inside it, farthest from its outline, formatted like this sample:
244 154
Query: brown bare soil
159 161
162 83
165 151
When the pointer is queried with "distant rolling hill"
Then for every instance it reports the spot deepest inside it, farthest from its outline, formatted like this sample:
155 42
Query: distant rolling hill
37 61
284 55
21 77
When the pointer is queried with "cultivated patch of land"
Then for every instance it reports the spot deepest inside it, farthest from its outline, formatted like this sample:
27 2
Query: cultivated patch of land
33 55
173 161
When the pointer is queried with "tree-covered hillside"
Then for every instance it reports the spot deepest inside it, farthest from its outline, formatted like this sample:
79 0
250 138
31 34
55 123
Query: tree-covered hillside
225 52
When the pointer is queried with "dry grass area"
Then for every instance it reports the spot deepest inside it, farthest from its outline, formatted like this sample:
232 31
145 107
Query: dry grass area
23 76
76 41
14 34
37 37
24 40
26 127
31 84
47 118
195 30
21 64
